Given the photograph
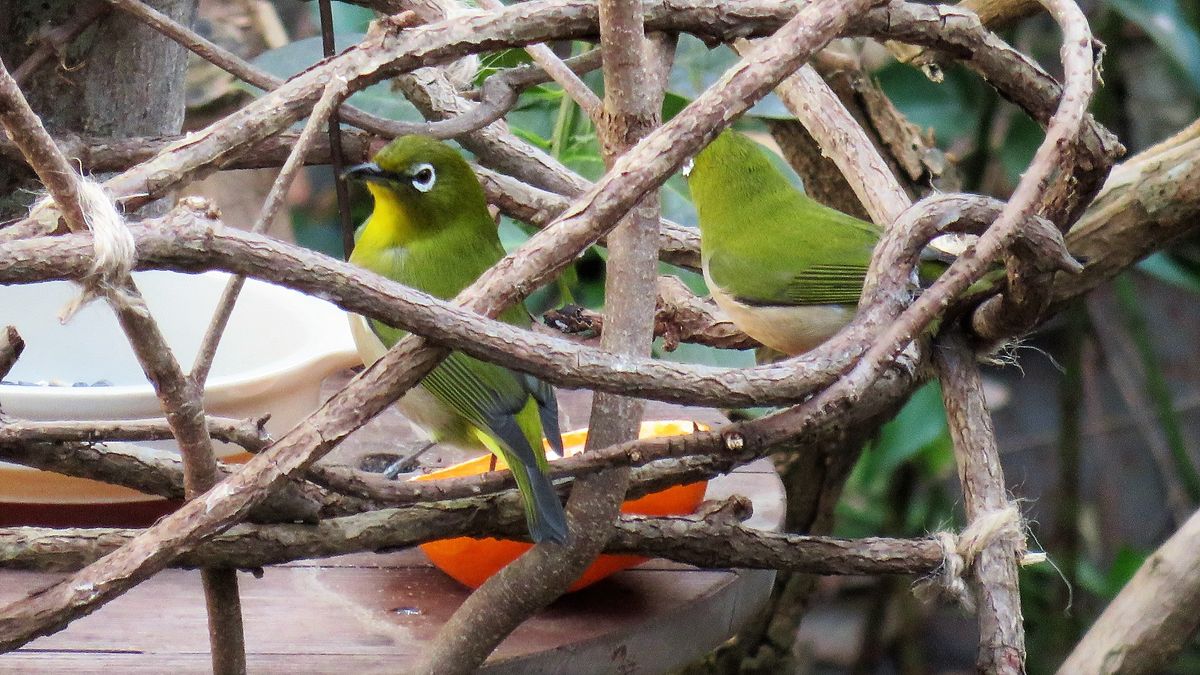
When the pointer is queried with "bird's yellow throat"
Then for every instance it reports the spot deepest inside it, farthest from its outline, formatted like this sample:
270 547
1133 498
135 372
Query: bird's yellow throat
390 223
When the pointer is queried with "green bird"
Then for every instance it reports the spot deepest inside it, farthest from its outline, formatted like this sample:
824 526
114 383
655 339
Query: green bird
431 230
786 269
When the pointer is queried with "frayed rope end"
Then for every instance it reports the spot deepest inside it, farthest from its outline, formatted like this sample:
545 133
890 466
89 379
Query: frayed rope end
114 249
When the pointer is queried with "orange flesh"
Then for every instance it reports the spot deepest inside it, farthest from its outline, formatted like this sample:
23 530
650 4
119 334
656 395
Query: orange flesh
471 561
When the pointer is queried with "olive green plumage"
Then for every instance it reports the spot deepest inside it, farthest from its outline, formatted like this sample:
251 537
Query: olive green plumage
787 270
430 229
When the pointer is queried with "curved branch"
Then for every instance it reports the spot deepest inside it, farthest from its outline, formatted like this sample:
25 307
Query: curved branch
187 241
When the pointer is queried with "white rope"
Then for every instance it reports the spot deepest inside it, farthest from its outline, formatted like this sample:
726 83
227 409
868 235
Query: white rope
113 247
959 553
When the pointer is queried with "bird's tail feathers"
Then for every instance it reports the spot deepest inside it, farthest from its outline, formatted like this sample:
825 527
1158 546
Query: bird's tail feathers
544 514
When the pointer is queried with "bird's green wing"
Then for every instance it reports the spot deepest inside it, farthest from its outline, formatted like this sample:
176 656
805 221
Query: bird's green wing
501 405
813 255
484 394
769 278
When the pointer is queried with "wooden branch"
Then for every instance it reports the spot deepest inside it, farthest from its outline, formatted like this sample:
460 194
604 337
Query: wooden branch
908 149
991 13
251 434
842 139
160 472
822 179
634 85
100 154
705 544
1028 295
658 463
1147 203
11 346
188 241
1152 619
1054 158
997 597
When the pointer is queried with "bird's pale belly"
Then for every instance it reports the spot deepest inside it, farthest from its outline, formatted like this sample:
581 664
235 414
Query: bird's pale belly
791 330
418 404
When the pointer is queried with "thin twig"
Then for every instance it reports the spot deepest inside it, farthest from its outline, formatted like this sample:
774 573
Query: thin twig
249 434
342 192
95 154
295 162
1130 375
566 78
160 473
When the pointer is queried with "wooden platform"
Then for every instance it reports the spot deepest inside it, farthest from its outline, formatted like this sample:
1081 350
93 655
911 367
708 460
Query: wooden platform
370 613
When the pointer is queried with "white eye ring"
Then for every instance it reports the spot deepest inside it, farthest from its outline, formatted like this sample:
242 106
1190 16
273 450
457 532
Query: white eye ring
688 165
423 177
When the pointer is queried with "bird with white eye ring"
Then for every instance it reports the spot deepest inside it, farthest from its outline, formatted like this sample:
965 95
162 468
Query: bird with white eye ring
423 177
431 230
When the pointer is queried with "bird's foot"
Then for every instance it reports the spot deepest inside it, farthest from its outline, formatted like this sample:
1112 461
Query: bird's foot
407 463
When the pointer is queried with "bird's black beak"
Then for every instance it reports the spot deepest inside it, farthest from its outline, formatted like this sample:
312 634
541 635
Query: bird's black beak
369 171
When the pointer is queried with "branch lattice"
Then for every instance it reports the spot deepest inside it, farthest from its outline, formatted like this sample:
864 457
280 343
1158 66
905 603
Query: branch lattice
867 368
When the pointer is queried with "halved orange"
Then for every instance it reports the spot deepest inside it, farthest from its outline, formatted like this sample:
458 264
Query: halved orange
471 561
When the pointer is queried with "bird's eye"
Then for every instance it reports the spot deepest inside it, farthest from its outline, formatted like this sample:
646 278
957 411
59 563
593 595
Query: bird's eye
424 177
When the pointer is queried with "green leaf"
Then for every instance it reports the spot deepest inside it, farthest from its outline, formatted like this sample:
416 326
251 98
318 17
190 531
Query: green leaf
952 108
1022 141
1107 583
1165 267
1166 24
489 64
921 424
697 67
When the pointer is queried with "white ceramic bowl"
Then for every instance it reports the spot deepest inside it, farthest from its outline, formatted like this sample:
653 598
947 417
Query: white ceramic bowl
278 347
